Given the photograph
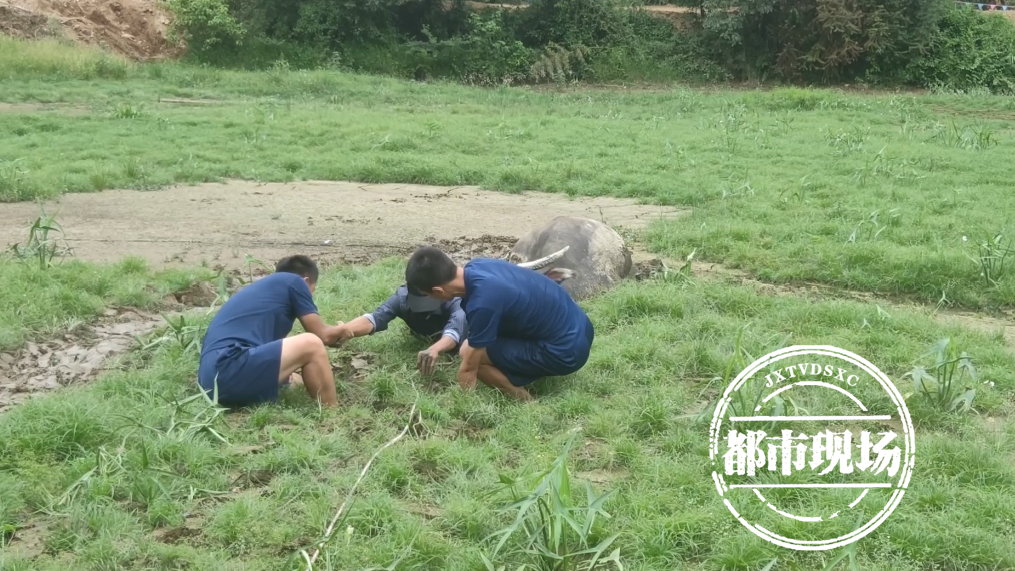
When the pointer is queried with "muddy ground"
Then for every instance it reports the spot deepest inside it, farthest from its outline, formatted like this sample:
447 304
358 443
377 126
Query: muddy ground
75 357
221 224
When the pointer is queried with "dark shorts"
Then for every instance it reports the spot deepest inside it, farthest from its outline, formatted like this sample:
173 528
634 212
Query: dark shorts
246 375
524 362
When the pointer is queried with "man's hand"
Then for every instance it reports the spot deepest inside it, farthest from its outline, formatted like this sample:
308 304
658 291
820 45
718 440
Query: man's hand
329 334
426 361
342 333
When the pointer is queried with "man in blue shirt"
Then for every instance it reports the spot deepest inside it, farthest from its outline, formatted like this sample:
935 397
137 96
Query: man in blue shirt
247 351
522 324
440 322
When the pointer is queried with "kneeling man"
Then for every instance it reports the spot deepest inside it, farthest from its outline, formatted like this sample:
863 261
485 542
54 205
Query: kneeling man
247 347
441 323
522 324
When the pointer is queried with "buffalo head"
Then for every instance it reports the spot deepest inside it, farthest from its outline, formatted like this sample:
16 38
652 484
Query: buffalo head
556 274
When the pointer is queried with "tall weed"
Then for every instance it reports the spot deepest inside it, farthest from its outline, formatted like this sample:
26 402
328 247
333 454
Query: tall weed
557 534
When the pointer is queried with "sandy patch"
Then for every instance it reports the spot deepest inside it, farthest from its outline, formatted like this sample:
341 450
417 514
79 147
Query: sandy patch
221 224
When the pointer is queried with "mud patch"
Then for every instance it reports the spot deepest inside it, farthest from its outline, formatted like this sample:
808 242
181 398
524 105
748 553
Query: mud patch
982 323
354 367
191 528
193 102
428 512
75 357
26 542
201 294
463 249
228 225
602 476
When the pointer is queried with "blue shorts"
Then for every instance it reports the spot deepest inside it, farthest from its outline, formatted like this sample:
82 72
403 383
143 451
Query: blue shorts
524 362
246 375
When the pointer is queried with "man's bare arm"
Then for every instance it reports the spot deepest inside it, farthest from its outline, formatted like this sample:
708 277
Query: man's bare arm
358 327
443 345
331 335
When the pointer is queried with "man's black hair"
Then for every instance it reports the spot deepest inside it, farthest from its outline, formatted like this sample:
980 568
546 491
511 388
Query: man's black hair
299 265
428 268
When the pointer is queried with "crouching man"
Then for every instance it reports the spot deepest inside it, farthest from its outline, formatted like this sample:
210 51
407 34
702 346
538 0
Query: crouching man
441 323
247 351
522 324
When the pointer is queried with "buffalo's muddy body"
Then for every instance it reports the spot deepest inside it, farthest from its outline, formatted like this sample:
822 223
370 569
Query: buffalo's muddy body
583 255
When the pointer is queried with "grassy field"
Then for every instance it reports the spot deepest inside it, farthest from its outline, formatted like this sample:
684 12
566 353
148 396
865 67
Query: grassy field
46 292
130 473
896 194
119 479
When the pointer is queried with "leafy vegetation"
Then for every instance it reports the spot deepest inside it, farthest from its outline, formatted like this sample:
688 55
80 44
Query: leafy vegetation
130 473
897 42
879 193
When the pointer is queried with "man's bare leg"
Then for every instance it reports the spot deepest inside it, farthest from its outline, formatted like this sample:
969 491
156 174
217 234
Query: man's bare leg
306 352
493 377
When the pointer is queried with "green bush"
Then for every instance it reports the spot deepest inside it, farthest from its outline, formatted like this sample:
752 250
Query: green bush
882 42
207 27
820 40
972 51
573 23
335 25
652 50
486 55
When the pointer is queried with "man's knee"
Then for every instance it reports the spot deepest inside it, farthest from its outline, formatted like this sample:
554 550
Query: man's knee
308 345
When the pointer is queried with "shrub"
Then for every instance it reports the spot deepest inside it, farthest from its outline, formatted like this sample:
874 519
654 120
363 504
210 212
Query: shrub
972 51
338 24
487 55
206 26
573 23
820 40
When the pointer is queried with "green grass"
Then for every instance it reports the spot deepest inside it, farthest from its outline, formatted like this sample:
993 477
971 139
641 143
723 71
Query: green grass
126 473
254 503
869 192
36 303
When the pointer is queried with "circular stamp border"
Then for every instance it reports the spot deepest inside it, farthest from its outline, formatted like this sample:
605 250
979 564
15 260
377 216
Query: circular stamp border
907 460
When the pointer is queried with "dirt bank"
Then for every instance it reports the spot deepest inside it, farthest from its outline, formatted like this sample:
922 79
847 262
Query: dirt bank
133 28
221 224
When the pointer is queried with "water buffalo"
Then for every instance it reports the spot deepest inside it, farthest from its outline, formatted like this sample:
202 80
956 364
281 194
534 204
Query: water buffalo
583 255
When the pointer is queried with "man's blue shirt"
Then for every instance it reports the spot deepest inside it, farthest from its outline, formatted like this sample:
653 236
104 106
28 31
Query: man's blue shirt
260 313
504 300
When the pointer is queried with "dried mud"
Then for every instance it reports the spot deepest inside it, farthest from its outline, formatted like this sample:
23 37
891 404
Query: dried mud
72 358
335 222
83 353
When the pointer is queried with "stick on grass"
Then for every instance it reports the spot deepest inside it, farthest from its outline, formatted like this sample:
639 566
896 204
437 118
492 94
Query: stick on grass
310 559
